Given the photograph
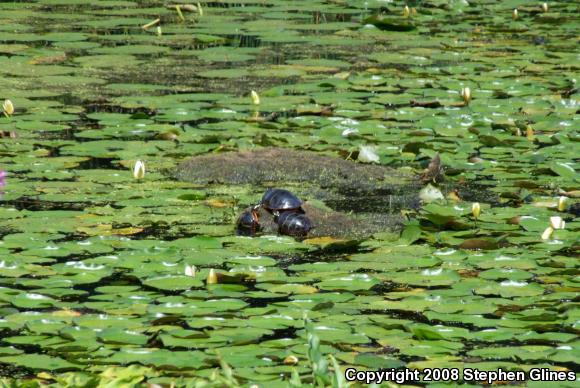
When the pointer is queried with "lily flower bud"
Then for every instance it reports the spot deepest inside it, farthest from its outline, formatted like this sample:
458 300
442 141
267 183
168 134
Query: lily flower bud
562 203
212 277
8 108
547 233
466 94
190 270
255 97
529 132
291 360
476 210
139 170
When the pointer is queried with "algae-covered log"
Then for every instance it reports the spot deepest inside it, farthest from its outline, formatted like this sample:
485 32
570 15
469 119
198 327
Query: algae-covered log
336 181
361 199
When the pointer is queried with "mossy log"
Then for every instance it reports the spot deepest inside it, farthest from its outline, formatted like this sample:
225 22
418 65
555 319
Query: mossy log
358 199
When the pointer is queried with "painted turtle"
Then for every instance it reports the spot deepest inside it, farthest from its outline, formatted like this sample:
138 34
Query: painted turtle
248 222
293 224
280 200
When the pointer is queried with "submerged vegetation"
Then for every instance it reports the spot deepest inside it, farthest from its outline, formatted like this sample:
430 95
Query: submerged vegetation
114 273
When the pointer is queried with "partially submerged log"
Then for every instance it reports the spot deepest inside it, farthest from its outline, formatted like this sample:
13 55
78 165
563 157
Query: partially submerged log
361 199
274 165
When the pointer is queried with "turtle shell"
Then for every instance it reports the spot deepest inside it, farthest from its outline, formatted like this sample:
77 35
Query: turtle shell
280 200
294 224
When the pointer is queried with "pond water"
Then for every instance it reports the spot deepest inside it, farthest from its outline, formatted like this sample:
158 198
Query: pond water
108 278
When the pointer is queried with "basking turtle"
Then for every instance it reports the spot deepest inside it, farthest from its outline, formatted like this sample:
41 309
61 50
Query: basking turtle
280 200
284 206
293 224
320 221
248 222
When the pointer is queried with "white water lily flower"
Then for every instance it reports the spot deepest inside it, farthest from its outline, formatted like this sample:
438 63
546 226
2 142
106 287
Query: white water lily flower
557 223
139 170
430 193
367 154
547 233
190 270
255 97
